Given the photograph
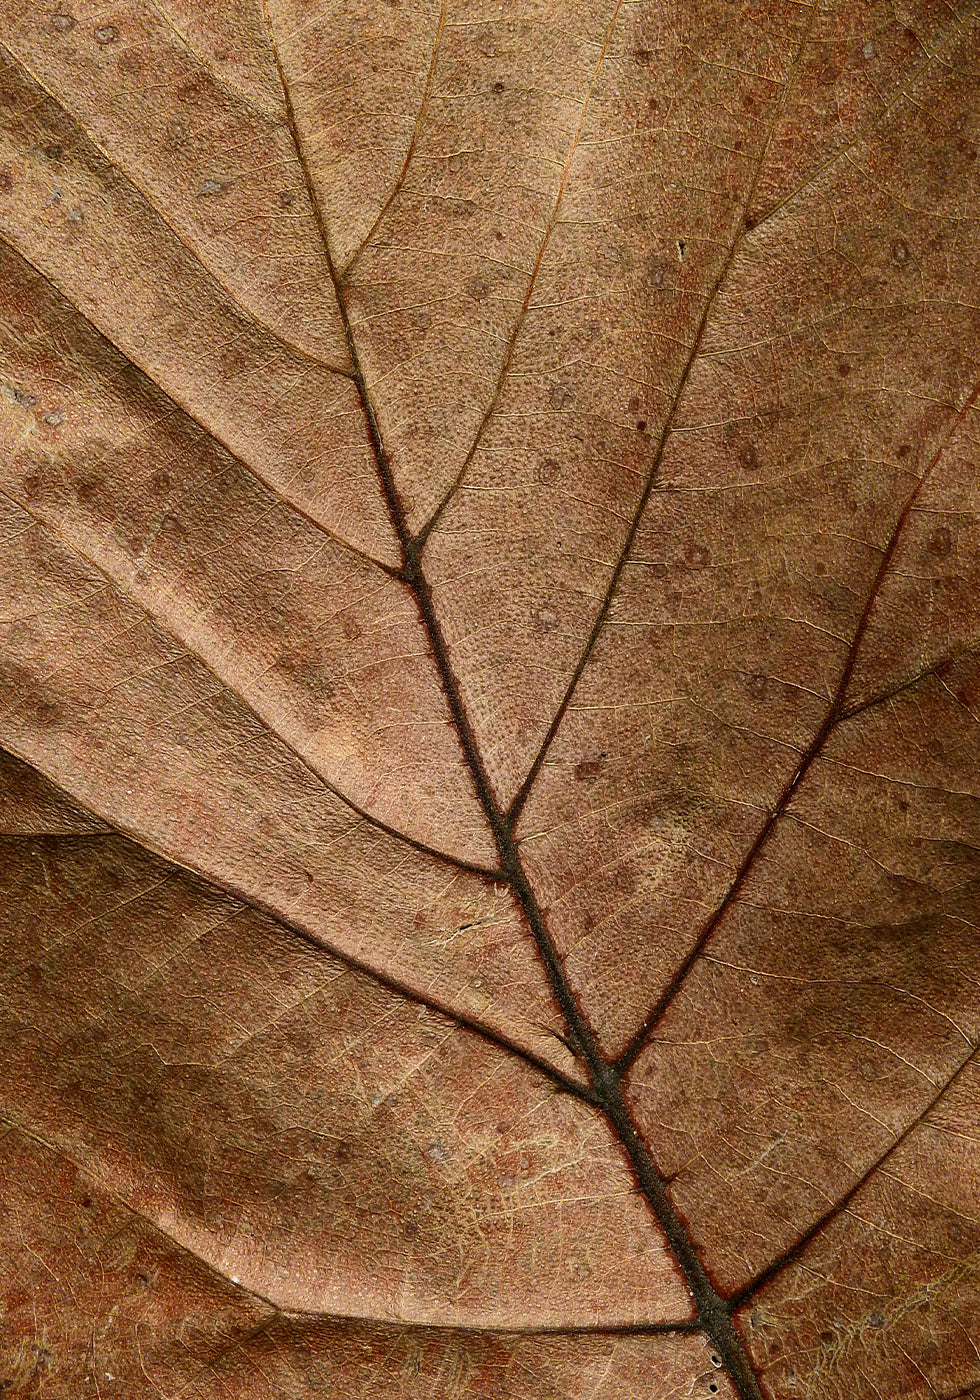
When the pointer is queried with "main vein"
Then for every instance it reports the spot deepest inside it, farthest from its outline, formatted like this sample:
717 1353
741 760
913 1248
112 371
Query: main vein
714 1314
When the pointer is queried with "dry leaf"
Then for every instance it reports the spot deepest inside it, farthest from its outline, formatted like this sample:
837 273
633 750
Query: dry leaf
490 700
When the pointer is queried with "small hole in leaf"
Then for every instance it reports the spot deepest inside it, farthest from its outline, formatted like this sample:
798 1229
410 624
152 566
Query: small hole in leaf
715 1360
681 248
713 1387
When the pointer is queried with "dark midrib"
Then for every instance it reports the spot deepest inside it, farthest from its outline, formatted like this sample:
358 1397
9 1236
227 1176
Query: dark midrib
714 1314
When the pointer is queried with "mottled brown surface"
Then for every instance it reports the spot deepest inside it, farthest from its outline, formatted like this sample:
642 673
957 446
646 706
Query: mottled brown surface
489 701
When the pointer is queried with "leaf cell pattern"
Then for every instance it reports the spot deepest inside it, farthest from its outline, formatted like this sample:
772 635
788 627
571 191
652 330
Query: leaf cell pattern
489 699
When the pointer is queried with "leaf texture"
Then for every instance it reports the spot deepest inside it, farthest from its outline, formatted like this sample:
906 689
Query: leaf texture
489 700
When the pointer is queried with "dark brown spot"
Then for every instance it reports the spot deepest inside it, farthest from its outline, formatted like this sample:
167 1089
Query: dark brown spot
696 555
903 450
89 488
642 57
625 881
748 458
159 482
843 369
498 87
201 82
305 663
171 527
54 152
47 713
940 542
343 1152
547 471
588 769
641 425
43 1358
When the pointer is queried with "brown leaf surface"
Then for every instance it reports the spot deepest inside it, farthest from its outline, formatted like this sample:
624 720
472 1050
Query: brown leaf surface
490 700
